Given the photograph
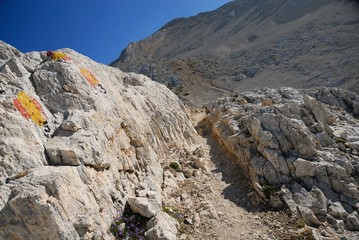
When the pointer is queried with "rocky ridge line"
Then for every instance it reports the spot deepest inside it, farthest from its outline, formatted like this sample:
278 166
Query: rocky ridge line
247 44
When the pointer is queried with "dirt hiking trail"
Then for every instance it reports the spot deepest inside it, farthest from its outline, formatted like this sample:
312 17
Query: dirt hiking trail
227 205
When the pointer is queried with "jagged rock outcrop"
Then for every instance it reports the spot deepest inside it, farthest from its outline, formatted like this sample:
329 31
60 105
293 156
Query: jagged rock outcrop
302 144
77 139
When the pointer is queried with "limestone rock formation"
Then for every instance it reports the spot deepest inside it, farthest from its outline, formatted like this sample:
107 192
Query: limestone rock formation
77 139
298 148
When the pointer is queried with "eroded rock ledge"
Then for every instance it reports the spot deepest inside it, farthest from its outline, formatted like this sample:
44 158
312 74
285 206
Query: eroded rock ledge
299 149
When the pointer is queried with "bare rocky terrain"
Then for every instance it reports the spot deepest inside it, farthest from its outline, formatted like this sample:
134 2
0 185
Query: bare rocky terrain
228 201
247 44
81 141
88 151
78 142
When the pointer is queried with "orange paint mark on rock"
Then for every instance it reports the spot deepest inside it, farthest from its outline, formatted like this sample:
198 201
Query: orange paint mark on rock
89 77
30 108
20 108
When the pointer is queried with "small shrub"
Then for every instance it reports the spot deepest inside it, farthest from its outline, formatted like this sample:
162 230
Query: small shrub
175 165
134 229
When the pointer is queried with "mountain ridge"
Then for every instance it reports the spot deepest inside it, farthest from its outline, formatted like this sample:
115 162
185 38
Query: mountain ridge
246 44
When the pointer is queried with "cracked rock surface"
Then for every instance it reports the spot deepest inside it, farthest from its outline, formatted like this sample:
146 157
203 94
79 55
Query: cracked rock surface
65 178
298 148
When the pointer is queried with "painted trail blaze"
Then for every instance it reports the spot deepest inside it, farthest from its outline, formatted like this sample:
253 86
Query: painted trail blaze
29 108
89 77
56 56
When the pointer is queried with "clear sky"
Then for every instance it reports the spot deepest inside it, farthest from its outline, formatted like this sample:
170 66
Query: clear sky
97 29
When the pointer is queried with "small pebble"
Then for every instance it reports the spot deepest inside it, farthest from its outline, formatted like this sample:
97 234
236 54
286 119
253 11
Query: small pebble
183 237
325 233
188 221
250 194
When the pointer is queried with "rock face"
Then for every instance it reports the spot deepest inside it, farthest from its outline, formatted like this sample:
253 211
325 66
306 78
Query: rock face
302 144
247 44
77 139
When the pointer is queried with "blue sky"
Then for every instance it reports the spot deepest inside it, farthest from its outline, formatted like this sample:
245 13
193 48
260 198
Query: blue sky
97 29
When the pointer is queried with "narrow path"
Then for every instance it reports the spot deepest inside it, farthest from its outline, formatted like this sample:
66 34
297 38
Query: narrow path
239 213
220 88
232 198
237 207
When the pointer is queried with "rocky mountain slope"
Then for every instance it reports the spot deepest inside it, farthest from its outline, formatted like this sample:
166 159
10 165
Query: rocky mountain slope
247 44
80 141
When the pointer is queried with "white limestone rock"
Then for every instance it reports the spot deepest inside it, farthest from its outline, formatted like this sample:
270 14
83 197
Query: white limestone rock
65 177
162 227
144 206
304 168
302 143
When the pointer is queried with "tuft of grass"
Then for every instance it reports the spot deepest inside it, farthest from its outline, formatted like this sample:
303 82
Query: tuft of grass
268 190
306 234
300 223
178 90
340 140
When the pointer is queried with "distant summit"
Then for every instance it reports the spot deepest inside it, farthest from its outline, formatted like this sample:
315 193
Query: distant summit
247 44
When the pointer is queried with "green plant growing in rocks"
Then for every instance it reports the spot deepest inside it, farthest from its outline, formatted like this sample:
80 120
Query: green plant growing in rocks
175 165
340 140
268 190
300 223
306 234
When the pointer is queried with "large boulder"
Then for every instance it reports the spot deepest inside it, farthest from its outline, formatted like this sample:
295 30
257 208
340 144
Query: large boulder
162 227
303 144
78 138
